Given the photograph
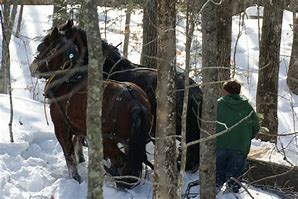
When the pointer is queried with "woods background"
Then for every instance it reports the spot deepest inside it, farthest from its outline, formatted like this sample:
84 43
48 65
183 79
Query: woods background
216 18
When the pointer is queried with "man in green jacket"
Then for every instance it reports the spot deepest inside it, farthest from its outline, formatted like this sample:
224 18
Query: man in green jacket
237 123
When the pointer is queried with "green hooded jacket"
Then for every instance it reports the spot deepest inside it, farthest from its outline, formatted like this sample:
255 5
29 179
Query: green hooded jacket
231 109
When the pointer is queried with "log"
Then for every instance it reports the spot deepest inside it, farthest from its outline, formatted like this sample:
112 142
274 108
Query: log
272 174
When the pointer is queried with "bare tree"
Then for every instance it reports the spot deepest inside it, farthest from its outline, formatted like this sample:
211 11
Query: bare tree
210 89
190 13
165 173
60 12
267 89
292 78
127 30
7 26
149 47
224 27
19 21
7 21
94 102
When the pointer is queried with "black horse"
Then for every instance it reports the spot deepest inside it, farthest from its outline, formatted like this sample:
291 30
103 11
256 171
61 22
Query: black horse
118 68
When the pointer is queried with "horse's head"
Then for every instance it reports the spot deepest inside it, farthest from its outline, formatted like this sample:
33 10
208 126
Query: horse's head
110 51
79 38
55 52
67 25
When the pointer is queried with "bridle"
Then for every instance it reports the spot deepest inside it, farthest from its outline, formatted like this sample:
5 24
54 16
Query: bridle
55 48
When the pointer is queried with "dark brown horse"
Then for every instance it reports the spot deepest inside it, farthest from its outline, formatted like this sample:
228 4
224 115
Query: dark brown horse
118 68
126 113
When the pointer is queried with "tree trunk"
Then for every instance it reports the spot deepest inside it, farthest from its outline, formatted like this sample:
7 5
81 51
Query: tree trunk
210 89
149 48
5 62
60 12
94 106
190 12
267 89
127 31
224 27
292 78
165 173
19 21
7 26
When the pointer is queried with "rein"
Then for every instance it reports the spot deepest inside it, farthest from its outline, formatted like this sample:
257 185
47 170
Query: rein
52 77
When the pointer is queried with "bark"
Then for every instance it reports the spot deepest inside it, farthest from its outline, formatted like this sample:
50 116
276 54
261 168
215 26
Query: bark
210 89
4 52
127 32
190 12
224 27
292 78
267 88
60 12
165 173
19 21
149 48
94 102
5 62
7 26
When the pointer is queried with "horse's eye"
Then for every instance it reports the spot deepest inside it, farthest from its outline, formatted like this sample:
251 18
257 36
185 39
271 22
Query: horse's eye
41 47
71 56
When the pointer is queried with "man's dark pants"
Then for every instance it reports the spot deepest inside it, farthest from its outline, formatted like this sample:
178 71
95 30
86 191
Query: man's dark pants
229 163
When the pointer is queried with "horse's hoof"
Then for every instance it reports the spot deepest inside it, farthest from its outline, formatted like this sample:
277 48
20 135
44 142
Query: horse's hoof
192 169
78 178
81 159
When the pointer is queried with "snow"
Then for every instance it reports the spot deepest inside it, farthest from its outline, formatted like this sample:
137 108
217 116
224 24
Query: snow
34 166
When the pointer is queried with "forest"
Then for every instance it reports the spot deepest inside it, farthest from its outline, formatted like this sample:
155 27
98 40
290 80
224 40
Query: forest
118 99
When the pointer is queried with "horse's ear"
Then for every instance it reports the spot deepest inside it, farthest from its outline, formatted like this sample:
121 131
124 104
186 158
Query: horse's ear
69 23
54 33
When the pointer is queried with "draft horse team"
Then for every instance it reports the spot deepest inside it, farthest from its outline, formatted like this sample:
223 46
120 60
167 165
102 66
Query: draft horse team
128 106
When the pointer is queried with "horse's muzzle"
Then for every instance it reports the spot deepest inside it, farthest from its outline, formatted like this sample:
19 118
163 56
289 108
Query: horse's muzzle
33 68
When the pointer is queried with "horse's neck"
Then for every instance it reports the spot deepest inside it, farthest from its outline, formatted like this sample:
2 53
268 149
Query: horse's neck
117 63
65 89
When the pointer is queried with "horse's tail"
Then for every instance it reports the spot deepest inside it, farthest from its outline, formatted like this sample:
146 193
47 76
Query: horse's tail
136 148
137 141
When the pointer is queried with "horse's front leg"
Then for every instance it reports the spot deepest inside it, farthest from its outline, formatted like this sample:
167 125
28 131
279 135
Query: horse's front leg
65 140
78 141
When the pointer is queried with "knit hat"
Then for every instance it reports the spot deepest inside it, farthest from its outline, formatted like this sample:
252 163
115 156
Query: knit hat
232 87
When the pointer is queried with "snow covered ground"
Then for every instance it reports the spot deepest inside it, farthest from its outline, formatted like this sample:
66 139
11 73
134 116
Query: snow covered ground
34 166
